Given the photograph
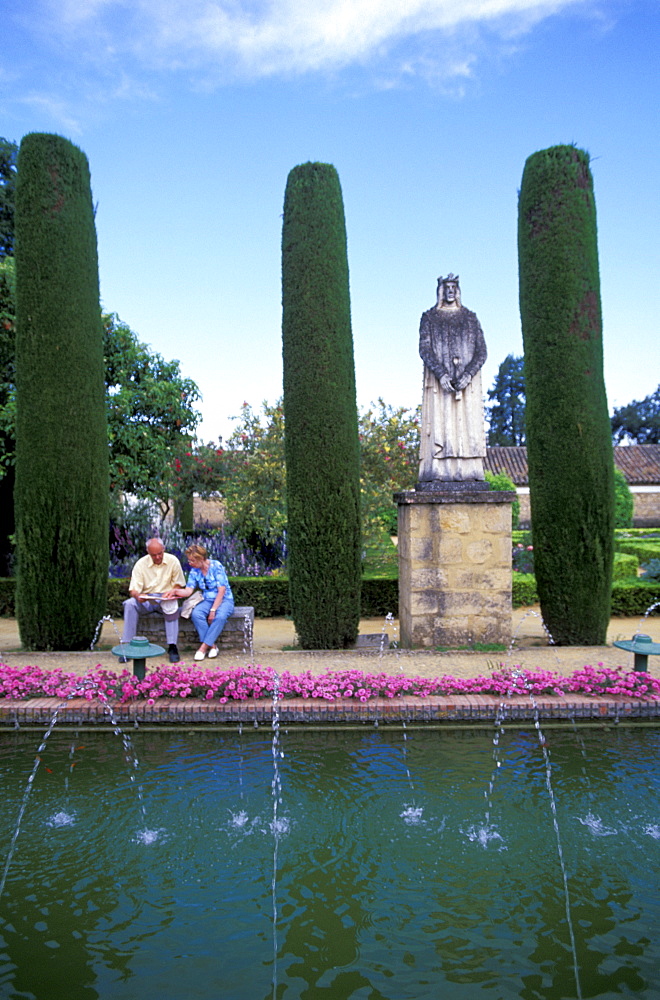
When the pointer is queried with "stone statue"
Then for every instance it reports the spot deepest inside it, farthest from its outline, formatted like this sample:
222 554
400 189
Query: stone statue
453 349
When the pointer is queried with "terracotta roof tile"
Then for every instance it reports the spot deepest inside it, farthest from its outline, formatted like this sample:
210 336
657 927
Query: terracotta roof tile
640 463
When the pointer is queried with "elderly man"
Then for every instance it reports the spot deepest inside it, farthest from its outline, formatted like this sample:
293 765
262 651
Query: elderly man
158 574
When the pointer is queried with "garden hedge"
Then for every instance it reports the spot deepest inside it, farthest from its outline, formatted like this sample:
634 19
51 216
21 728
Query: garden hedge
644 549
268 595
633 598
624 566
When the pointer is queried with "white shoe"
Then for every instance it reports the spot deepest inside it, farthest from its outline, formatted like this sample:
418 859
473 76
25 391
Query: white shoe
213 652
199 655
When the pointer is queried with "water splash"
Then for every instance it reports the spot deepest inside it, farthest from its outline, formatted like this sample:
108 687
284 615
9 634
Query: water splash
499 732
514 637
149 836
28 788
130 756
596 826
280 826
648 611
412 815
248 639
384 635
99 626
652 830
484 834
61 818
555 824
277 824
239 819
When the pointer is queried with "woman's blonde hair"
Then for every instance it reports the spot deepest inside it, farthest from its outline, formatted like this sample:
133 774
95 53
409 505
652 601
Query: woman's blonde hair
197 550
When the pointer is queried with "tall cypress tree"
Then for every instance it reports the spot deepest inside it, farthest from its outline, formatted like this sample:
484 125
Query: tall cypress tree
321 434
61 435
569 444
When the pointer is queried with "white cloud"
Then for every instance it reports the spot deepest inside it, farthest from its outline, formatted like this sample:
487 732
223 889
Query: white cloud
53 109
268 37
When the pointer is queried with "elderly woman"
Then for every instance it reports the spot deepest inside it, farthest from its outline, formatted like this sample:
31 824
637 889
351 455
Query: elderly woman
209 616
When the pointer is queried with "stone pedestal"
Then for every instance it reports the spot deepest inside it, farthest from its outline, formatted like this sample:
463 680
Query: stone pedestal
454 566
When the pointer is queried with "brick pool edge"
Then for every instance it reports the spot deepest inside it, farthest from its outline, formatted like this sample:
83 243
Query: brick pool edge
464 709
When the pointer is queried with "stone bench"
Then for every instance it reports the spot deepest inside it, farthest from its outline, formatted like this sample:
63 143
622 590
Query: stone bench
237 633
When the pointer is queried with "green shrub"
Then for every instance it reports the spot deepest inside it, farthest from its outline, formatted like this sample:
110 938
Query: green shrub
523 590
624 504
569 442
268 595
117 594
62 480
632 598
624 566
500 481
7 597
380 596
643 550
321 428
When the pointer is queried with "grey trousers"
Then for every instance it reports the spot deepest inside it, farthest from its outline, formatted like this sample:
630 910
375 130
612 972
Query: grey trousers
134 609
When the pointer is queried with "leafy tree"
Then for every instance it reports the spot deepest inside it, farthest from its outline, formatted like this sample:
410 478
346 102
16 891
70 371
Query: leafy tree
8 154
569 444
151 418
250 475
254 491
321 443
507 414
201 470
389 461
638 421
150 405
61 434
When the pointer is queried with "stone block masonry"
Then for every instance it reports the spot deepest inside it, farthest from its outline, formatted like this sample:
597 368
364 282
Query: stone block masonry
454 567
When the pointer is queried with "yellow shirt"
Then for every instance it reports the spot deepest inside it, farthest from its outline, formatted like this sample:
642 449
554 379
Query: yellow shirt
148 578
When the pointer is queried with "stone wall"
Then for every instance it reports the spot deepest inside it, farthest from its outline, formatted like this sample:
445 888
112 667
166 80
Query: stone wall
211 512
646 512
454 568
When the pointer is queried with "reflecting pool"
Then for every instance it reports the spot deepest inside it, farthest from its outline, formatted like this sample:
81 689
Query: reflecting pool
396 865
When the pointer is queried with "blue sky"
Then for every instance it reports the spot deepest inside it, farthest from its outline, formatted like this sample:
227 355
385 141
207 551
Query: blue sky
192 113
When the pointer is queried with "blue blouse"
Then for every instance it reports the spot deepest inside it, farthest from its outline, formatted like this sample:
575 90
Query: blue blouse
211 583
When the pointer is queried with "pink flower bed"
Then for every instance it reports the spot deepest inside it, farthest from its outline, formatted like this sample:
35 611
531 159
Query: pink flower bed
243 683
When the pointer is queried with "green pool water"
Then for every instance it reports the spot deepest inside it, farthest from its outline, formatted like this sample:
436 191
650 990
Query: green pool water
399 867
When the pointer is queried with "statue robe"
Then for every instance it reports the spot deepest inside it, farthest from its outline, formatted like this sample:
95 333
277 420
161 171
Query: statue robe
453 440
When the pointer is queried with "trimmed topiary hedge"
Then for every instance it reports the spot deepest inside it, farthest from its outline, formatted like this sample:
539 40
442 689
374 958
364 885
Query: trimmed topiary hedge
624 566
268 595
61 493
523 590
321 438
631 598
642 549
569 440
